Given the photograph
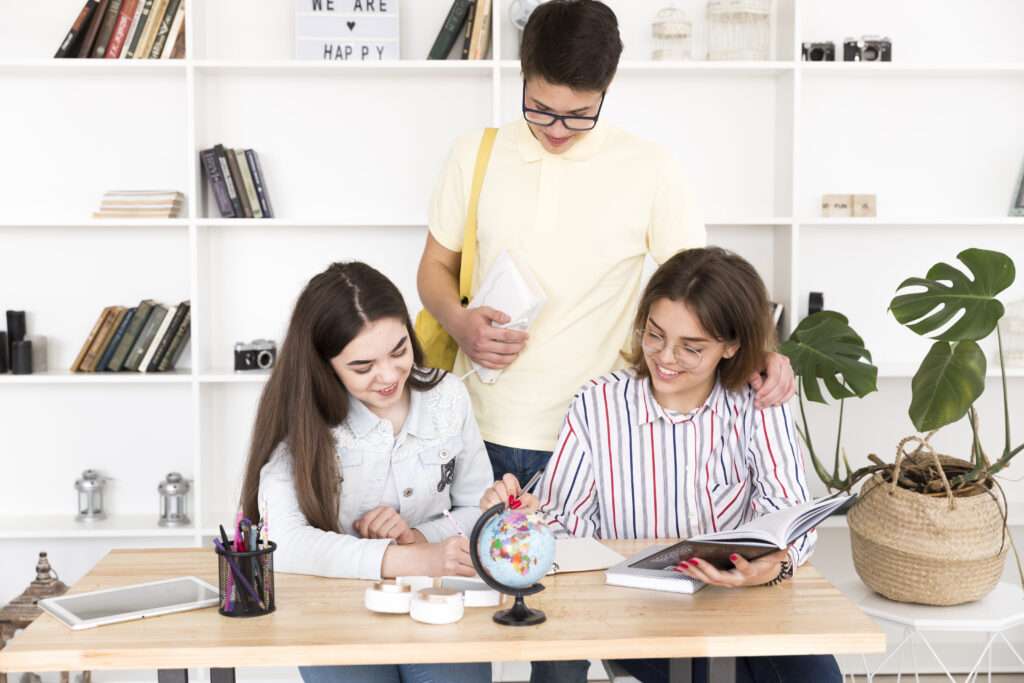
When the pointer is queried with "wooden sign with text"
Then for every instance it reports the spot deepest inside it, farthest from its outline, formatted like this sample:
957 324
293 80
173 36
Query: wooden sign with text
346 30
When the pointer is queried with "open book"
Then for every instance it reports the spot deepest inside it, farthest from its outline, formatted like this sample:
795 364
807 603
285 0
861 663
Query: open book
511 288
652 568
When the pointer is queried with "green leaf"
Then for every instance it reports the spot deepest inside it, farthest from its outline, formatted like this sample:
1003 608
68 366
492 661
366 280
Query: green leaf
947 291
950 379
825 348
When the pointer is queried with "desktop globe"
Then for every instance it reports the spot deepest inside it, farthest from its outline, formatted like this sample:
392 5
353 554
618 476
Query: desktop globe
511 550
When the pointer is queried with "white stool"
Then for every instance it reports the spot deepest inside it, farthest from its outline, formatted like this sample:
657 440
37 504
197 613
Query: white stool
1001 609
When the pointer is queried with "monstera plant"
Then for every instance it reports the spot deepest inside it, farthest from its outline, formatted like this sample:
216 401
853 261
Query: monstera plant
824 349
942 518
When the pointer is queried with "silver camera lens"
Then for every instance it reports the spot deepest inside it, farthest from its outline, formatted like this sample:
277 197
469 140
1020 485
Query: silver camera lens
264 359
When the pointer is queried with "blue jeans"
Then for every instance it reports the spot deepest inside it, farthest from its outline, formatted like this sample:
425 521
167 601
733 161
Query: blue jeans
521 462
398 673
790 669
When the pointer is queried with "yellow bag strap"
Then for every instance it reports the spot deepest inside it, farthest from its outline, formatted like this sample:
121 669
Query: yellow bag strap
483 155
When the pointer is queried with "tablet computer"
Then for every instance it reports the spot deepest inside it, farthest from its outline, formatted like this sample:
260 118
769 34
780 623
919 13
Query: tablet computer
111 605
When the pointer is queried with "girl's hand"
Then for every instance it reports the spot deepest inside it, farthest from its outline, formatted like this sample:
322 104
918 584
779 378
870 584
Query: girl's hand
450 557
385 522
762 570
502 491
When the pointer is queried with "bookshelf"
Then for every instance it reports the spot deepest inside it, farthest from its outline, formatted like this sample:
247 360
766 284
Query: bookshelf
351 153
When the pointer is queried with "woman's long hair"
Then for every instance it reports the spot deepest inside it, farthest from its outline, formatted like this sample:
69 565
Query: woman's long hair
304 398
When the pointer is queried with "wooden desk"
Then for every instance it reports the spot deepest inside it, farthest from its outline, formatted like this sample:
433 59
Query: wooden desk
323 621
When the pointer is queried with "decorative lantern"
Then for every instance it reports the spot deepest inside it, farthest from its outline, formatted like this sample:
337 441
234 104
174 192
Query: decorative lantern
173 500
672 33
90 496
23 610
739 29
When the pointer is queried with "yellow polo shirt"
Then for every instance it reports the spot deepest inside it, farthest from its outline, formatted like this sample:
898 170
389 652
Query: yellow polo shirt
583 222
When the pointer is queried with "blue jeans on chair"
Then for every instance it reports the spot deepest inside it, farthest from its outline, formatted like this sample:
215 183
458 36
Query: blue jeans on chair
791 669
521 462
398 673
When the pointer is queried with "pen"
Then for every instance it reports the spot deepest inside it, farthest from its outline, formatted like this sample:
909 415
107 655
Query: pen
455 523
240 575
229 582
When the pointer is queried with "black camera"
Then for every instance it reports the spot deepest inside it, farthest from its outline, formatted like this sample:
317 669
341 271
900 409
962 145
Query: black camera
819 52
259 354
867 49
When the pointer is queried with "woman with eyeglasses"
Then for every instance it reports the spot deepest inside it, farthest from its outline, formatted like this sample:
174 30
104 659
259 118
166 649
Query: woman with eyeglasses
674 446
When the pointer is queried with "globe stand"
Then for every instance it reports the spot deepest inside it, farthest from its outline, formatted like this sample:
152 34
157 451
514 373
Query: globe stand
519 614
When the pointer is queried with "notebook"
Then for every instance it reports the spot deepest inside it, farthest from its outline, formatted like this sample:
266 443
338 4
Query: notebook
511 288
583 555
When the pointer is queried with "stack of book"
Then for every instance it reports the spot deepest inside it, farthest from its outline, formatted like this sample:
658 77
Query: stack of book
237 182
140 204
127 29
147 338
472 20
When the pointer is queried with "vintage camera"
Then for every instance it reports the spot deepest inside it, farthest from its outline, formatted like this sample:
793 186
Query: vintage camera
819 52
258 354
867 49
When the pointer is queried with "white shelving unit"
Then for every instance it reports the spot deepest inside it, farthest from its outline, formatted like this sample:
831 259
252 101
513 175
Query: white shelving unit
351 153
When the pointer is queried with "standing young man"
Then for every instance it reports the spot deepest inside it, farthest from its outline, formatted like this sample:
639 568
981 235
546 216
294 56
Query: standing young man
581 203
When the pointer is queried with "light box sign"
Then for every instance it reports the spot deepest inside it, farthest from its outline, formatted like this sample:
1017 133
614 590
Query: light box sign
346 30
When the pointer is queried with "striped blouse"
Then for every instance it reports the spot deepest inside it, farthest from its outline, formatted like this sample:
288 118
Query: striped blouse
625 467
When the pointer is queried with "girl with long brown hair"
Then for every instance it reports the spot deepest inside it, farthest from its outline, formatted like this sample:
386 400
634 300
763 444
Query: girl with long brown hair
674 445
358 452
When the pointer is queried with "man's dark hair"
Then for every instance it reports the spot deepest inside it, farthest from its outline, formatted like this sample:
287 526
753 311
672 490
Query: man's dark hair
572 42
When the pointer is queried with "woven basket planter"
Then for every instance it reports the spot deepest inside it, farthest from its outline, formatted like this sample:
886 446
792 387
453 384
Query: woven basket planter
911 547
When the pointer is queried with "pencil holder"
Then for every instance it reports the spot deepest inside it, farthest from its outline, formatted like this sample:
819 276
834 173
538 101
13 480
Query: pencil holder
246 581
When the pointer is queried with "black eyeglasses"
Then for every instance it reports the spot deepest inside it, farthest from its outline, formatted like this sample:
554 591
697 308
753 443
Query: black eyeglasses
546 118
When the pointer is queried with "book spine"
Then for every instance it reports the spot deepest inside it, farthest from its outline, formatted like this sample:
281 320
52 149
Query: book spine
165 339
133 30
250 189
79 26
450 29
102 339
156 15
236 176
99 50
170 359
216 179
156 316
176 28
481 30
124 21
164 29
115 340
140 29
77 364
85 49
157 338
261 183
467 38
229 181
179 45
130 336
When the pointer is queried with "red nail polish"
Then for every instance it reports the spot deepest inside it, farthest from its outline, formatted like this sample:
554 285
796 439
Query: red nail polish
734 557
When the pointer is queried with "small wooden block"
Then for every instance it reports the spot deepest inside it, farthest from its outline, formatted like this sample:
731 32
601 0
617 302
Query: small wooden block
865 206
836 205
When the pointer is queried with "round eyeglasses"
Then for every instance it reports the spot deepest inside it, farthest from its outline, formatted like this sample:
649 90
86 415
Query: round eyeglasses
653 344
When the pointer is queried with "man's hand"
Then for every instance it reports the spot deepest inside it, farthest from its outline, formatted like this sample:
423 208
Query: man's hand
385 522
760 571
779 384
491 347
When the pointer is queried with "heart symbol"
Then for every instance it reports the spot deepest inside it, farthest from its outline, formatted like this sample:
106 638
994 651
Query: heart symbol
351 25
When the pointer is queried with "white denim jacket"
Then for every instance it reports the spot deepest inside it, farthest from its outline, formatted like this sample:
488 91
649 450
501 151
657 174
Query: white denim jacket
438 462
